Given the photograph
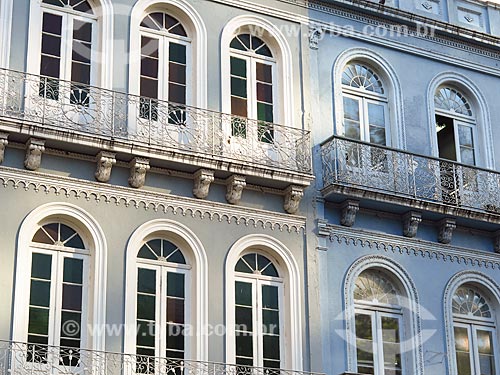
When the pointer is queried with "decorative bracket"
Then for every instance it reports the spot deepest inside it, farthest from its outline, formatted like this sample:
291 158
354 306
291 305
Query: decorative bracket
138 169
349 210
411 220
322 226
446 227
235 185
3 143
105 161
315 35
426 5
34 150
202 180
293 196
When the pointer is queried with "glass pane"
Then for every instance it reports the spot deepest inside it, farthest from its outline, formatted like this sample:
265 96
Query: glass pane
40 293
243 293
149 67
271 321
145 334
467 156
486 364
149 87
175 310
376 114
238 87
149 47
177 53
41 237
177 73
241 266
51 45
465 136
265 112
377 135
264 92
72 297
392 356
244 319
52 23
364 326
264 73
82 30
462 347
41 265
74 318
351 109
177 93
146 281
155 246
244 345
73 270
462 339
251 260
146 307
175 284
352 129
484 342
238 67
175 336
269 297
38 321
239 108
75 242
271 347
50 66
390 329
80 73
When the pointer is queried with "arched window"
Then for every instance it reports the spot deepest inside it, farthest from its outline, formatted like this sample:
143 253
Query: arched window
455 125
253 72
162 302
474 329
258 312
58 295
68 41
378 321
366 110
165 66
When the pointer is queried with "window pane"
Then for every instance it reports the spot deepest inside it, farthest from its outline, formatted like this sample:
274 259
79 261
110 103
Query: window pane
177 93
351 109
177 53
352 129
51 45
467 156
149 87
269 297
264 73
149 47
390 329
38 321
82 30
74 318
446 138
80 73
271 321
376 114
145 334
243 293
465 136
41 265
50 66
271 347
486 352
40 293
72 297
239 107
73 270
238 87
52 23
265 112
175 310
146 281
175 336
238 67
264 92
177 73
175 284
244 318
149 67
244 345
462 346
364 326
146 307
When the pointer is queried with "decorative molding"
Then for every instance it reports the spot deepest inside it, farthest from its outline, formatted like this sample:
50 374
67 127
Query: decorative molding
167 203
349 210
235 185
315 35
34 150
411 304
322 228
138 169
496 242
411 220
105 161
474 277
387 243
202 180
446 228
3 143
293 196
427 5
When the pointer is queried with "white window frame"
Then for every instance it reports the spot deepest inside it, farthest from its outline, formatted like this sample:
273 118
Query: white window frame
164 40
161 269
257 281
376 312
58 254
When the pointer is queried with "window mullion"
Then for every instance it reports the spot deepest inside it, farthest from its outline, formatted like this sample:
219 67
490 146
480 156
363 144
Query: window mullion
66 48
257 331
160 313
56 308
378 343
252 89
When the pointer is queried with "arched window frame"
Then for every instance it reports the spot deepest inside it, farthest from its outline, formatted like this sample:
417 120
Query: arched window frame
366 98
196 30
282 86
413 360
488 288
289 272
195 255
396 122
94 241
378 311
102 43
483 131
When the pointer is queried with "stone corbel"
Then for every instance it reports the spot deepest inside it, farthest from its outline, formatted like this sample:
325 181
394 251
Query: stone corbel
315 35
34 150
446 227
105 161
202 180
411 220
3 143
293 196
349 210
322 228
138 169
235 185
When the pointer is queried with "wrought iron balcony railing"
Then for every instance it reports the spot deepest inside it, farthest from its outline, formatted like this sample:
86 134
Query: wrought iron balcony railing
27 359
73 107
384 170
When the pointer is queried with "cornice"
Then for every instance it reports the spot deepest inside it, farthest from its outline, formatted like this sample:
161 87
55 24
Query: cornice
119 195
386 243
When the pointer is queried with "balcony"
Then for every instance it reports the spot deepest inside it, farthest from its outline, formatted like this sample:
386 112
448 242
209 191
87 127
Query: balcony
399 178
24 359
184 136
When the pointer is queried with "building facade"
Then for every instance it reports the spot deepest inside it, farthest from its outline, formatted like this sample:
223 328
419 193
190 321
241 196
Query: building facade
249 187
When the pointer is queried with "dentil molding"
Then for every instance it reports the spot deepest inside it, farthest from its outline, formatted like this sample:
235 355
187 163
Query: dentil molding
176 205
386 243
